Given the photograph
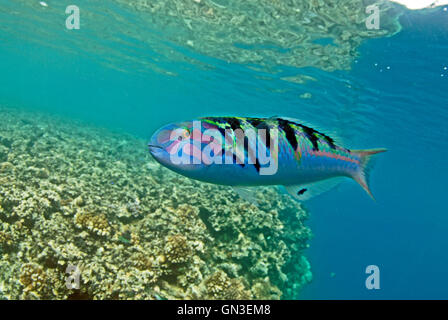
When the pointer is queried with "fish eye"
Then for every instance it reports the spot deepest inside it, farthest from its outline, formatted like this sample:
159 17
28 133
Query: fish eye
185 134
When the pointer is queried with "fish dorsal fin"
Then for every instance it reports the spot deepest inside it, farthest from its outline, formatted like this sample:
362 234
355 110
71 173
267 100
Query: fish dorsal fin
325 132
247 193
286 118
303 192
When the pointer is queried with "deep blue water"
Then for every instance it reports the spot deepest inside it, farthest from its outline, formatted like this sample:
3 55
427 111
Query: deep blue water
395 96
405 231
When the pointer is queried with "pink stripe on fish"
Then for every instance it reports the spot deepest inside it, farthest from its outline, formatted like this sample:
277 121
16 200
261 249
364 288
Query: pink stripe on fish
333 155
207 125
174 147
164 136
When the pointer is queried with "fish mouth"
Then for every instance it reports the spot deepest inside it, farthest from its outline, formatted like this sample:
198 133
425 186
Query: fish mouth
156 150
154 146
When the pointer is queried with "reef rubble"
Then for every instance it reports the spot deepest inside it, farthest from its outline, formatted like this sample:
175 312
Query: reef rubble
77 195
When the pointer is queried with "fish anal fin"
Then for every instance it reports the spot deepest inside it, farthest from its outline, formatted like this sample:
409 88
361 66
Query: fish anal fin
303 192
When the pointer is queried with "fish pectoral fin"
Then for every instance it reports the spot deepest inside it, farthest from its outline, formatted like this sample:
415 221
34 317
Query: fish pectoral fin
303 192
247 193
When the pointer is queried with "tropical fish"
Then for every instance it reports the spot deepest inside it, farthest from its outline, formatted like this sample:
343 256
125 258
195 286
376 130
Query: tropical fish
243 152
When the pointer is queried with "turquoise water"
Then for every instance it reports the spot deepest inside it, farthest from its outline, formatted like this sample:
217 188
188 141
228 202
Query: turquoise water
394 95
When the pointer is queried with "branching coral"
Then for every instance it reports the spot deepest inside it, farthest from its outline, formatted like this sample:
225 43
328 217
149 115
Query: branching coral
177 249
97 223
220 286
33 278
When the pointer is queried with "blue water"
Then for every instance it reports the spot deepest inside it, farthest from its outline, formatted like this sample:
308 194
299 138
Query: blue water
395 96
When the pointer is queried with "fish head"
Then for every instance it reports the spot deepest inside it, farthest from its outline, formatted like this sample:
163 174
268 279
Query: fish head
178 146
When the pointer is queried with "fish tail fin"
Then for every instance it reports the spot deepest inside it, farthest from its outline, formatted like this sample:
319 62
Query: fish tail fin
362 175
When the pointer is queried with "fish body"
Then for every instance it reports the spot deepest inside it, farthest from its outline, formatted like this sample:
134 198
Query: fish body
239 151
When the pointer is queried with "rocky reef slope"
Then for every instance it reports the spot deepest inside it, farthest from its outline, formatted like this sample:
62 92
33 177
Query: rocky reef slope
76 195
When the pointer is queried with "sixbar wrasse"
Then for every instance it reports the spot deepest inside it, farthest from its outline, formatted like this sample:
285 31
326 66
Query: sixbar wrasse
243 152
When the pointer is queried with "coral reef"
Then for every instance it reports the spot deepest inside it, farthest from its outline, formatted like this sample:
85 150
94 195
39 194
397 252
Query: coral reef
74 195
